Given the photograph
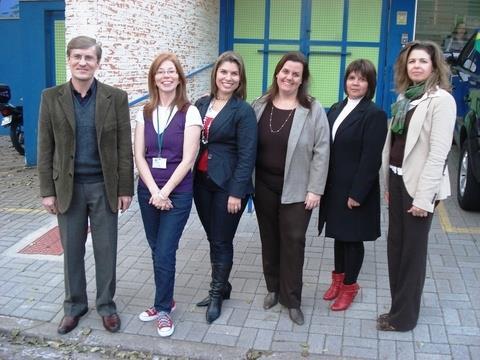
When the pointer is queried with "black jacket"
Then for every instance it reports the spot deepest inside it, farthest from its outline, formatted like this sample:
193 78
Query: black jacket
232 146
355 159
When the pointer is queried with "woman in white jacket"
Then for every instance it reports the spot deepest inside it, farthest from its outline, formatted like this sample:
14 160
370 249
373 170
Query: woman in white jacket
416 175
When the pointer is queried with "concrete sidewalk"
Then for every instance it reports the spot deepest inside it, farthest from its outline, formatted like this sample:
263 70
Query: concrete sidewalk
31 290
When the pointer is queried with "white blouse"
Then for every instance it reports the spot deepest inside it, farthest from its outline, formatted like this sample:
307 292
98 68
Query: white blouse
351 104
192 117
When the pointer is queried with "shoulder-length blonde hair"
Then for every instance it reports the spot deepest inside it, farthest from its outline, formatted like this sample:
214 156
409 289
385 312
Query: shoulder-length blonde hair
440 71
233 57
303 96
180 93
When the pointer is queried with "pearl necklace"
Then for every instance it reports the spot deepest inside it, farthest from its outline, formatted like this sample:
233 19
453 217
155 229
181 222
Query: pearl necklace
284 123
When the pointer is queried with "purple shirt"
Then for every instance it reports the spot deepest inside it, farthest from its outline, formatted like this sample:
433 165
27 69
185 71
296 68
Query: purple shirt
172 150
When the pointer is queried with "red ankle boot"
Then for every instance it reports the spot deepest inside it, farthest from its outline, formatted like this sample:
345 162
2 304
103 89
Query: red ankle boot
333 290
345 297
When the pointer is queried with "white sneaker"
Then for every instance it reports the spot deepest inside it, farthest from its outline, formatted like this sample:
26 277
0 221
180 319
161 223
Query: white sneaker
165 326
152 313
149 314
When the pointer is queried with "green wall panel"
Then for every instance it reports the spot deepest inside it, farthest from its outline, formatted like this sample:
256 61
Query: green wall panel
285 19
327 23
364 20
363 52
60 52
249 19
327 20
325 74
254 68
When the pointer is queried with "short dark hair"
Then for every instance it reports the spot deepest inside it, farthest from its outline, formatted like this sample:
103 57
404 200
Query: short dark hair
233 57
84 42
367 70
303 96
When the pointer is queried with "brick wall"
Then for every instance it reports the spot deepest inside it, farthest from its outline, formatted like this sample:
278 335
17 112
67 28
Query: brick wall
133 32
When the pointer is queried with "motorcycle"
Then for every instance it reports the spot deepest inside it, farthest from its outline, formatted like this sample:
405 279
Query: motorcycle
13 118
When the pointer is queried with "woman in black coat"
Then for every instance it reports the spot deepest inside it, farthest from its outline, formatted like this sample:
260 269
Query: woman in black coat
223 170
351 204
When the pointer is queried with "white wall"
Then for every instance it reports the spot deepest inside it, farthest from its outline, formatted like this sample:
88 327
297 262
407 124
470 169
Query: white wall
133 32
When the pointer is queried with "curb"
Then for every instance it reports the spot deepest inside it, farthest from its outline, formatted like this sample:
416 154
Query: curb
145 346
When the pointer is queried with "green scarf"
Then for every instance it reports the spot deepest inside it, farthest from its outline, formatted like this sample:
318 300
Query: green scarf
401 107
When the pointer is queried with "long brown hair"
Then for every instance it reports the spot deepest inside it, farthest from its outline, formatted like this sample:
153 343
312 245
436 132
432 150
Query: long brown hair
181 91
440 71
233 57
303 97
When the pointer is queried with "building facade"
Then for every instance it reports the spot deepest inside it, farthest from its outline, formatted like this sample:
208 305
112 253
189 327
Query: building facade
331 33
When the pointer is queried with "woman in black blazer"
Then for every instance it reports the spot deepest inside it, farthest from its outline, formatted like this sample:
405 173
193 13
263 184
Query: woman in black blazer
351 204
223 171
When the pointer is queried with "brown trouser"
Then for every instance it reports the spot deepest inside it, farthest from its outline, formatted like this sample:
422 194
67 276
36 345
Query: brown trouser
407 244
282 231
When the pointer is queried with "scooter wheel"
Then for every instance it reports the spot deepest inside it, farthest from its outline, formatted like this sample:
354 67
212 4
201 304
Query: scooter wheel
16 136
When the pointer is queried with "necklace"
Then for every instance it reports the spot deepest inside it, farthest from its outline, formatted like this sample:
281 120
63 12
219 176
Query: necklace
284 123
218 104
207 122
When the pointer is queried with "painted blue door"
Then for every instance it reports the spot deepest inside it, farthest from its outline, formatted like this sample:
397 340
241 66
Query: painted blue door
55 48
36 19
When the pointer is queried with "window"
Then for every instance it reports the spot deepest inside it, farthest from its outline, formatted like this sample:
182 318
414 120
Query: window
449 23
469 58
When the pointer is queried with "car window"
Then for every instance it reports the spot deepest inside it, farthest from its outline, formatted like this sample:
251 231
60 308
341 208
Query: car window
469 58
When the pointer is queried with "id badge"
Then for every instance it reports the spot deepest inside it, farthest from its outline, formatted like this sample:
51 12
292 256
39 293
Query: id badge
159 163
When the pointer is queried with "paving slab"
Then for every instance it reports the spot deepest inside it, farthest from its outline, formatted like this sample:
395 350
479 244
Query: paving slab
31 289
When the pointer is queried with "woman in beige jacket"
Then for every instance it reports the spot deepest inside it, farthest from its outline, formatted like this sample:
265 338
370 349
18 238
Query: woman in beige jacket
416 175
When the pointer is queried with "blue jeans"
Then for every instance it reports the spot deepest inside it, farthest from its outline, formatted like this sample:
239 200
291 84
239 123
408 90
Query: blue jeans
163 229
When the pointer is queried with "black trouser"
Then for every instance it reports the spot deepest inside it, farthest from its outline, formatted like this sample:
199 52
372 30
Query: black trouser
220 226
282 232
407 244
348 259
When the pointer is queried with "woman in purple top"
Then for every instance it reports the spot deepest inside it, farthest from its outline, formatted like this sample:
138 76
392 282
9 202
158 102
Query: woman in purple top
167 137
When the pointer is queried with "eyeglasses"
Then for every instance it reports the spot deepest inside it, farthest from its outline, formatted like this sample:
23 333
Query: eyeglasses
86 58
169 72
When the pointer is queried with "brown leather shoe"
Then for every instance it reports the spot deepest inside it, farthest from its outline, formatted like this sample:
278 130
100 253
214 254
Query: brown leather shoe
111 322
69 323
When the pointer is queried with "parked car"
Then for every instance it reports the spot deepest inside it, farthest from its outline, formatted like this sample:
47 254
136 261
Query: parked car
466 90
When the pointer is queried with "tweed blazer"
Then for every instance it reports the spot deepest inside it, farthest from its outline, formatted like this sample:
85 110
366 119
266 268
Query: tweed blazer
56 143
308 150
429 139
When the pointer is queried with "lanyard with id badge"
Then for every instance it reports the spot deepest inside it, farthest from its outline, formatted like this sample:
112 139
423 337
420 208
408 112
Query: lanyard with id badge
161 162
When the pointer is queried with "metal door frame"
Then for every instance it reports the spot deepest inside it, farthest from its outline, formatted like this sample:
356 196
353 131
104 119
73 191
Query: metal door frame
50 71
